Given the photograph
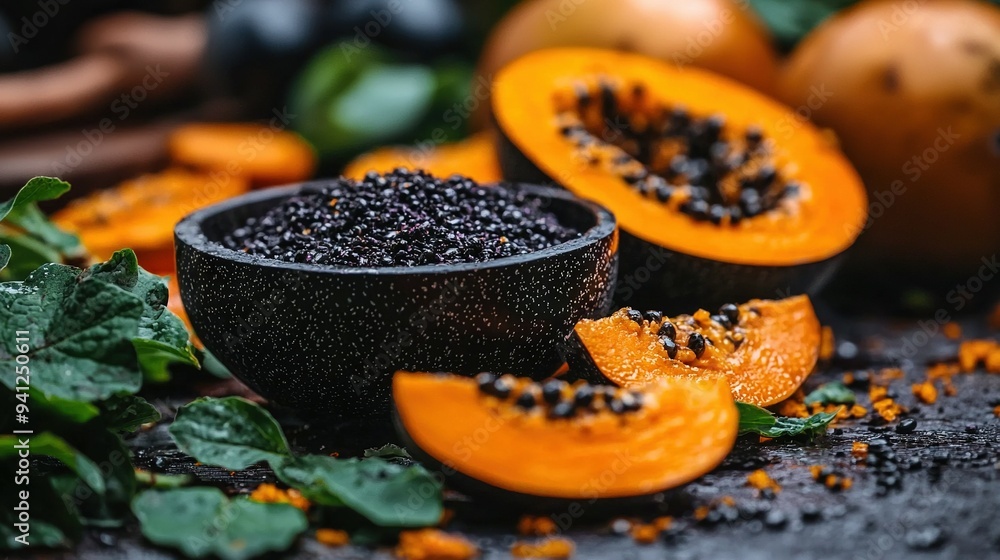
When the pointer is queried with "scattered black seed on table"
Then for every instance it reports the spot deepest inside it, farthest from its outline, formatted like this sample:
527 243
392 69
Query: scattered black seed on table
402 218
906 426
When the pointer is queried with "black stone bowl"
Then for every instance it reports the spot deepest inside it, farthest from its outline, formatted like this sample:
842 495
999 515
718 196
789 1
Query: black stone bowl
326 339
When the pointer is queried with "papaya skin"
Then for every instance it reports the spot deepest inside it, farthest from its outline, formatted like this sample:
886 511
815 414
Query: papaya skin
913 99
719 35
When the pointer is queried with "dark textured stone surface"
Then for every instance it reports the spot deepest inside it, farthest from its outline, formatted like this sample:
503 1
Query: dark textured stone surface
946 506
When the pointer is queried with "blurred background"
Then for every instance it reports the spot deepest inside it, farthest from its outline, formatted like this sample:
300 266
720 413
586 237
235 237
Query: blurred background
152 108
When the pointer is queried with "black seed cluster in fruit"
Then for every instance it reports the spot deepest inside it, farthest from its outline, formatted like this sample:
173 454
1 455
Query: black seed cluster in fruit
722 175
559 399
402 218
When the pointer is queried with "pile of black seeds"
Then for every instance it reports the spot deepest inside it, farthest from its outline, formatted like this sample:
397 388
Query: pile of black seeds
402 218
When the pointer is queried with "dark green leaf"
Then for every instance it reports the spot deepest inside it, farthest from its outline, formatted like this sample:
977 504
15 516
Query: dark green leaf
54 522
211 365
80 333
162 337
36 190
230 432
54 407
756 420
388 451
105 448
790 21
203 521
4 255
127 413
833 392
47 444
387 494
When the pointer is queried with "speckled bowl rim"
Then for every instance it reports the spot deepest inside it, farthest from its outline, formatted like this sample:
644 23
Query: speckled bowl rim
189 231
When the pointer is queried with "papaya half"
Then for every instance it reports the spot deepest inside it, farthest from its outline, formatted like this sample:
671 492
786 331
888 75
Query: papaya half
473 157
721 193
766 349
549 444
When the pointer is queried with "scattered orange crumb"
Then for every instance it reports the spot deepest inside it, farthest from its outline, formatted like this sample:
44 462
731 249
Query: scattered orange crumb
973 352
952 330
434 544
728 501
701 512
332 537
848 378
270 494
828 343
859 449
644 534
886 407
925 392
831 480
858 411
996 411
763 439
536 526
664 522
793 409
889 374
761 481
553 547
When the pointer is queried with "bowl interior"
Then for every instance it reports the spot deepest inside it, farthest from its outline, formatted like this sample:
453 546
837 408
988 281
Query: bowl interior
221 219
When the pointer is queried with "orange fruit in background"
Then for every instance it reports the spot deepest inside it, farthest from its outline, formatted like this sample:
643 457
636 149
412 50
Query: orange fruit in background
141 214
264 155
724 36
912 90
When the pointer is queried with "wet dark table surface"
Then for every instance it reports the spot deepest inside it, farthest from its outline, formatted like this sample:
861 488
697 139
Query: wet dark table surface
946 505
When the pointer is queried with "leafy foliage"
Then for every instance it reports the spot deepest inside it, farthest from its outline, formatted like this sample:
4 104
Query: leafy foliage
756 420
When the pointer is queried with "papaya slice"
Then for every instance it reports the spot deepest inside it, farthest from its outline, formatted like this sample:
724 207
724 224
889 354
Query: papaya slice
519 439
765 348
721 193
263 155
473 157
141 214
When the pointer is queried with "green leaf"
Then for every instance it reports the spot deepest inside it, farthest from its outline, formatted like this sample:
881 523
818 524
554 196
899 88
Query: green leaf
47 444
106 448
833 392
36 190
202 522
54 522
127 413
4 255
387 494
230 432
79 333
388 451
162 337
756 420
790 21
76 412
211 365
